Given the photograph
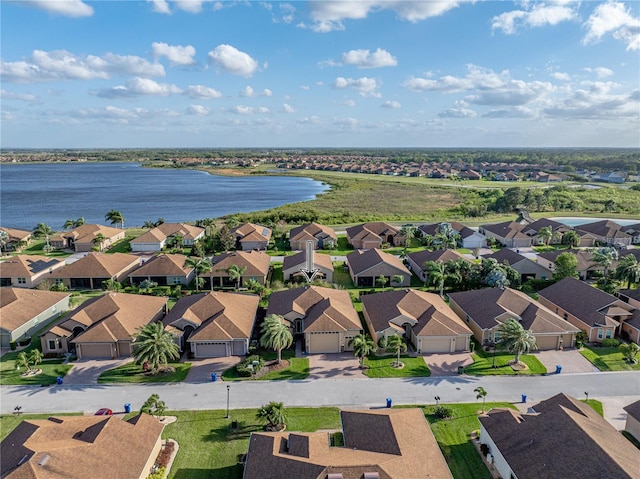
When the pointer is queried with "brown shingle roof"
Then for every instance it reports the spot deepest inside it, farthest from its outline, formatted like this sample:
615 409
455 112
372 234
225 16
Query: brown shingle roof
299 259
563 438
163 265
505 254
16 235
360 261
605 229
86 233
163 231
508 229
80 447
377 228
444 255
98 265
256 262
19 305
26 266
633 410
314 230
252 232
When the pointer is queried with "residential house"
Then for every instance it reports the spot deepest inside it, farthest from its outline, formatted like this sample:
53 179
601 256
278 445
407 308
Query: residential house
87 238
15 239
470 175
559 437
373 235
250 237
213 324
423 318
527 268
157 238
633 231
601 315
324 317
417 259
632 424
607 232
165 270
557 229
631 327
366 266
255 264
631 296
27 271
78 447
23 312
586 268
293 265
508 234
484 310
103 327
92 269
611 177
469 238
321 236
383 444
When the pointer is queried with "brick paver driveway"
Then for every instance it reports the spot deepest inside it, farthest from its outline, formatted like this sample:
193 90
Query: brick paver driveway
570 359
87 371
335 365
446 364
201 369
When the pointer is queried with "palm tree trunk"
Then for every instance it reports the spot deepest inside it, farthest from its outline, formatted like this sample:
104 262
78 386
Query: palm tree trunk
279 355
517 360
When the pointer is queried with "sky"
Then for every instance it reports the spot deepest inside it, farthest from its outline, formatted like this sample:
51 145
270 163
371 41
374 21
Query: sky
357 73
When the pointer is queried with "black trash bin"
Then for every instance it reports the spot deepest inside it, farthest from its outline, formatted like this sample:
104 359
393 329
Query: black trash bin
460 369
389 402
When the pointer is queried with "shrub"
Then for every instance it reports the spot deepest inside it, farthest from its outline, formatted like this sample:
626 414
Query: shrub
610 343
246 369
484 449
442 412
25 341
160 473
162 291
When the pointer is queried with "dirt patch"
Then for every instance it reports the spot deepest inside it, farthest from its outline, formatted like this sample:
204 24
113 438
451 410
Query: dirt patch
31 373
519 366
271 366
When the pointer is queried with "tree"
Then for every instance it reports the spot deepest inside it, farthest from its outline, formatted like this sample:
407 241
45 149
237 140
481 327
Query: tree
604 257
545 234
4 239
274 413
275 334
381 281
200 266
497 278
23 361
226 239
397 279
97 241
629 351
146 285
154 346
149 225
396 345
177 241
35 357
235 273
628 270
566 265
436 275
115 217
111 285
70 223
571 239
481 393
43 230
515 339
154 406
362 345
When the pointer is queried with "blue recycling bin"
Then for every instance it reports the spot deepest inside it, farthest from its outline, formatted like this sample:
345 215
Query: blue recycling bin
127 408
214 377
558 369
524 398
59 380
389 402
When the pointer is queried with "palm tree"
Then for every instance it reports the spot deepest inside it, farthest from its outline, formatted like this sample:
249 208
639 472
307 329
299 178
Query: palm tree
97 241
70 223
545 234
35 357
154 346
275 334
4 239
363 345
571 238
23 361
43 230
481 393
629 351
396 345
200 266
628 270
274 413
515 339
146 285
115 217
605 257
154 406
436 274
149 225
381 281
235 273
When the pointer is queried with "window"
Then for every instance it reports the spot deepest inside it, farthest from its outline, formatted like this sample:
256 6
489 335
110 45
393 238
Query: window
608 334
22 280
566 316
176 280
52 344
496 336
599 333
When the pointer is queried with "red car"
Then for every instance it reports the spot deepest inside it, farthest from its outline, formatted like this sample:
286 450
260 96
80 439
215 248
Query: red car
104 412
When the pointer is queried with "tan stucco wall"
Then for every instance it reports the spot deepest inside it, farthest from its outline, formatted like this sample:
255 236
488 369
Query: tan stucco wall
633 427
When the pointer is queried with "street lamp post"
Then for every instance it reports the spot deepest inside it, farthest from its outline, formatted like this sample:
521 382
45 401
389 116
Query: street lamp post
493 362
228 391
586 393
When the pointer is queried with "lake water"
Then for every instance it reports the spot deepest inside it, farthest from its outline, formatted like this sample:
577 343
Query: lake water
574 221
54 192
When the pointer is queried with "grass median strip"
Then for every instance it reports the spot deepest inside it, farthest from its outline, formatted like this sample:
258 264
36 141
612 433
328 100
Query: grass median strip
483 364
608 359
381 367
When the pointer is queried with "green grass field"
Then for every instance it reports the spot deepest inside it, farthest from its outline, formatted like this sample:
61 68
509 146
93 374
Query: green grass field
608 359
483 363
380 367
298 368
133 373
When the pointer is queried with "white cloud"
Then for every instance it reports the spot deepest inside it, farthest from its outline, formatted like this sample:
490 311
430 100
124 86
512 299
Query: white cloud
27 97
202 92
176 54
305 87
597 101
457 113
123 116
233 60
267 92
137 87
64 65
539 15
613 17
191 6
288 108
366 59
513 112
249 110
198 110
349 103
560 76
67 8
160 6
309 120
365 86
393 105
601 72
249 92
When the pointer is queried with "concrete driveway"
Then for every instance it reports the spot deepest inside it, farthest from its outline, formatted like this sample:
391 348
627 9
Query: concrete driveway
86 371
446 364
201 369
570 359
335 366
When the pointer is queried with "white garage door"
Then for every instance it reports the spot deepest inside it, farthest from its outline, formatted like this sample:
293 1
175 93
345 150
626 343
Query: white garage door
101 350
209 350
547 342
238 348
436 345
324 342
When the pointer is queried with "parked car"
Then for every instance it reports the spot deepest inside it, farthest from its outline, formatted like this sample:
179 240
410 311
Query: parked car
104 412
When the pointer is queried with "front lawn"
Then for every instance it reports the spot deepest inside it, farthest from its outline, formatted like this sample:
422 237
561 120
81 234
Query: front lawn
483 362
133 373
453 436
51 369
380 367
298 368
608 359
